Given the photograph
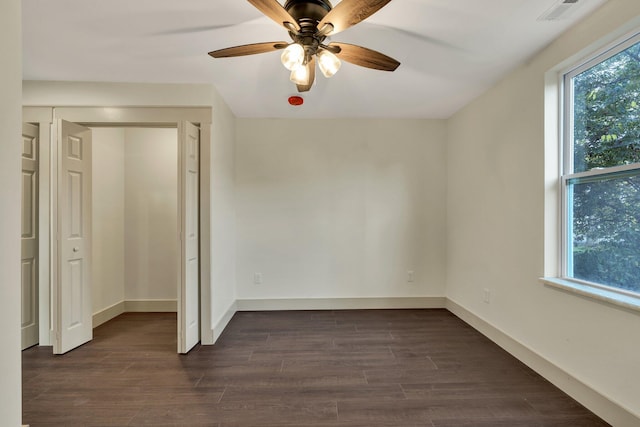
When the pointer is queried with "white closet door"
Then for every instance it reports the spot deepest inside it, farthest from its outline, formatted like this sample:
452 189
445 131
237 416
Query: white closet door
29 244
72 294
188 196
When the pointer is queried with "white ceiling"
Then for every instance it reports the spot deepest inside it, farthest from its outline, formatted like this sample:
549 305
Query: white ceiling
451 51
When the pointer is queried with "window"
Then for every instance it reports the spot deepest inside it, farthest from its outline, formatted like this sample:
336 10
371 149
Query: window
601 171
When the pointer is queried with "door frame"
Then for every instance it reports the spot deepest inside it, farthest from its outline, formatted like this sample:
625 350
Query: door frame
90 116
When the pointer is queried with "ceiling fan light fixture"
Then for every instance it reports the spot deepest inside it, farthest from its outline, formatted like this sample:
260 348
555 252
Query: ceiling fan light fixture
293 56
300 75
328 62
309 23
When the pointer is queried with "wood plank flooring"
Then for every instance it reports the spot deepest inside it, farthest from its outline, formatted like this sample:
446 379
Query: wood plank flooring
367 368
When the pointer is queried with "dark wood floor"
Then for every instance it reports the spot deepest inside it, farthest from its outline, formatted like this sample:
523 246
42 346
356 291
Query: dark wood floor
309 368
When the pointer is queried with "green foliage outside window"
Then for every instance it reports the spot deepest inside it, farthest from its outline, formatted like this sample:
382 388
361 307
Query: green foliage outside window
605 210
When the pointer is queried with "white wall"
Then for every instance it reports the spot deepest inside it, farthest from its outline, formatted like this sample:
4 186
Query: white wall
151 223
134 215
108 227
69 94
10 141
496 204
340 208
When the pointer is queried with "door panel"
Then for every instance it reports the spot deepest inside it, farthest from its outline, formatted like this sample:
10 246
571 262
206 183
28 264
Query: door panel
29 243
72 300
188 306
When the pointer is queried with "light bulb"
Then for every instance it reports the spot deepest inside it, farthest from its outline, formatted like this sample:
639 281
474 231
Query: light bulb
300 75
292 56
328 62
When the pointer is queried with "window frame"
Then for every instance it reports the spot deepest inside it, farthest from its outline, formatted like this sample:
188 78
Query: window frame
567 174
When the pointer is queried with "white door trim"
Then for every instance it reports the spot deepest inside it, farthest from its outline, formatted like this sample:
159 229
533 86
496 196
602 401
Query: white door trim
133 116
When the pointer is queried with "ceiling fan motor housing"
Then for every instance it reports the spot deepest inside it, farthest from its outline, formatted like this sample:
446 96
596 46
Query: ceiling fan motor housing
308 12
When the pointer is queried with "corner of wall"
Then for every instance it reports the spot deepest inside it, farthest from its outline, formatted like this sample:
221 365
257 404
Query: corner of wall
222 322
103 316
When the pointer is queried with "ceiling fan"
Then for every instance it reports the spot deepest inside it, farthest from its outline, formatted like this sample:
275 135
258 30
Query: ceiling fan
309 23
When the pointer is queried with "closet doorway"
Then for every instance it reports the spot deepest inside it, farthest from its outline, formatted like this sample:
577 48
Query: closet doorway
135 243
133 246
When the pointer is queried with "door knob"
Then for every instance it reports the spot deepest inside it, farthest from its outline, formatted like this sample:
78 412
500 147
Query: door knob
76 249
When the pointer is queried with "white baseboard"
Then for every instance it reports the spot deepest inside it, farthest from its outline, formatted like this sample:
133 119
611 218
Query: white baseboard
103 316
223 321
206 334
607 409
339 303
141 306
151 306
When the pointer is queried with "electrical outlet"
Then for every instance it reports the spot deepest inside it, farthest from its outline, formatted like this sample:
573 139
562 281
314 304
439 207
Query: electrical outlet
486 295
410 276
257 278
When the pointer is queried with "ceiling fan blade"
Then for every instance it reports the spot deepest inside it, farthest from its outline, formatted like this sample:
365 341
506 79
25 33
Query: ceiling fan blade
275 11
411 36
190 30
248 49
311 66
364 57
348 13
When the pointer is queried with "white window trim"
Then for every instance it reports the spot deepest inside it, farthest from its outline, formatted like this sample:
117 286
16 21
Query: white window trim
602 293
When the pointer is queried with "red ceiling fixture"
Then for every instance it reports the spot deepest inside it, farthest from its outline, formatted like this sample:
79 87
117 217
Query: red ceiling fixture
296 100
